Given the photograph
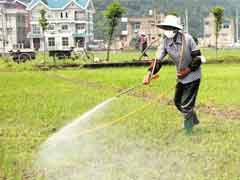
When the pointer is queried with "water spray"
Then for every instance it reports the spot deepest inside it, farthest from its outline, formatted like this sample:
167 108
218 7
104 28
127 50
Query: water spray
82 146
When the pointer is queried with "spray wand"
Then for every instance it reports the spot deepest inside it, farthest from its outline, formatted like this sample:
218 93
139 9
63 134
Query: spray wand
152 76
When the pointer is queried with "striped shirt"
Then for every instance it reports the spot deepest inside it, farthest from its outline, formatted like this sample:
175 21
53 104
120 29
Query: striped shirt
172 47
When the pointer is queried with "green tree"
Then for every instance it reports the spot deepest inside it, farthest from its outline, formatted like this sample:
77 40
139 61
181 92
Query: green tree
218 13
44 24
174 13
195 38
113 13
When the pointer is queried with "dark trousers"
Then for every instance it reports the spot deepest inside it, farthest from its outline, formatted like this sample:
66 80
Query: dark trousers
185 97
144 46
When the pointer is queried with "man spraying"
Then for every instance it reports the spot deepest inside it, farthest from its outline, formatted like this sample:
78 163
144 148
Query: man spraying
186 55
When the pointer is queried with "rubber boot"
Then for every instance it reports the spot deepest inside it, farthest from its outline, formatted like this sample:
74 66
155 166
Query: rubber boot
188 125
188 122
195 119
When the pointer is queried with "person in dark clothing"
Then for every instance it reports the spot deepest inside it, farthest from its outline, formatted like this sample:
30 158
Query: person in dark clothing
143 44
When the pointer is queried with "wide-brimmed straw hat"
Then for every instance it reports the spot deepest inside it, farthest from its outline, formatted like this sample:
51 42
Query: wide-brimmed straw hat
170 22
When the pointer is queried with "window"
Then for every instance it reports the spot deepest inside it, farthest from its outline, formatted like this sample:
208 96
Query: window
51 27
9 30
8 19
65 41
35 29
80 26
79 15
64 27
51 42
91 28
136 26
89 15
19 19
226 26
124 26
35 16
66 15
61 15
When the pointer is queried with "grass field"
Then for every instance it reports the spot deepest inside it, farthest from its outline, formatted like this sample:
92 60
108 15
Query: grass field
35 104
226 55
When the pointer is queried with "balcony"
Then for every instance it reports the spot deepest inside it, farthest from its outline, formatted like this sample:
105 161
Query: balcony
81 18
51 32
80 33
34 35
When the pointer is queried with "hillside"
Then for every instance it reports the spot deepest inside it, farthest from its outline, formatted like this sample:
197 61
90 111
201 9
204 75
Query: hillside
198 9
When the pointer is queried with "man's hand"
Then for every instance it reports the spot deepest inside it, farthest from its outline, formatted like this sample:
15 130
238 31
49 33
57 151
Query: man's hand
148 78
183 73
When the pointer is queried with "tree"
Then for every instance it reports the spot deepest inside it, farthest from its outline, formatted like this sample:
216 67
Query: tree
44 24
195 38
174 13
218 13
113 13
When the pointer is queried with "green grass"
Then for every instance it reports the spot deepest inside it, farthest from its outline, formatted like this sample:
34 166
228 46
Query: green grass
224 55
210 153
32 107
217 87
36 104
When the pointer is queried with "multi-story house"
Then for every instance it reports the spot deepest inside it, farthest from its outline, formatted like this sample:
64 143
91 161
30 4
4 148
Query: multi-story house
226 35
13 25
70 23
132 27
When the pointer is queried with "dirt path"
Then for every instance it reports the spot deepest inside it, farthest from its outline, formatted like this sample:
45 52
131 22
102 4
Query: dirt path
224 113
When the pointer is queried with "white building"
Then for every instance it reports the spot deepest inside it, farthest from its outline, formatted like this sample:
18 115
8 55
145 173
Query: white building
70 23
13 25
226 35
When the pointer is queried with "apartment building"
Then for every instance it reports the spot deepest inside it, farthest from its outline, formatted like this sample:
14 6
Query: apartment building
70 23
13 25
226 35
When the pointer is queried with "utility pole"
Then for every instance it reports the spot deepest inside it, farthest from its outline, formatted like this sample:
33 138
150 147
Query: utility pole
236 25
155 22
3 29
186 20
